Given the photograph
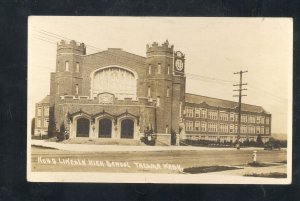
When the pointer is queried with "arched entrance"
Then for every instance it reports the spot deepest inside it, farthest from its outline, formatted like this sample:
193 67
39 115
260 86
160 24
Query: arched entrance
105 126
83 127
127 128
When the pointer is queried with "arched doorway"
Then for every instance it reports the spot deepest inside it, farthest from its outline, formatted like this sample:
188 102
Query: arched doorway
105 126
127 128
83 127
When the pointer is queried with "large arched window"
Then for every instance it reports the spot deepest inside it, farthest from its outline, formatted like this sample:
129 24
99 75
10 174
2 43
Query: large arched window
83 127
127 128
115 80
105 127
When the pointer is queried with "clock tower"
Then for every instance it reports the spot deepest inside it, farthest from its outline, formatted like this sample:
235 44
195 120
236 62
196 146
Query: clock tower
179 63
165 83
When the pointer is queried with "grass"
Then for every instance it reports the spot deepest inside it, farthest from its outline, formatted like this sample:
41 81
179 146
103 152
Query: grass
206 169
258 164
42 147
268 175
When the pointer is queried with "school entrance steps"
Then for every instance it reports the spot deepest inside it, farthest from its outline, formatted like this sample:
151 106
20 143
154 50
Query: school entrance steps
104 141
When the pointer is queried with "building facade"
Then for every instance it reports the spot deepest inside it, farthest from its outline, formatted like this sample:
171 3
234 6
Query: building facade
42 117
118 95
215 119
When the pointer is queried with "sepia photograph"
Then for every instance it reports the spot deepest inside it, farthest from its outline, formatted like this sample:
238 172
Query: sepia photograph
193 100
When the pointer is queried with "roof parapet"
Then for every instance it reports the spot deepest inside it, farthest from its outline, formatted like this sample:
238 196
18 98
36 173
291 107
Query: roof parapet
155 47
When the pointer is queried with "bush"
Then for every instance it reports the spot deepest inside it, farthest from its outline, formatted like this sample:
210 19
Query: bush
278 143
207 143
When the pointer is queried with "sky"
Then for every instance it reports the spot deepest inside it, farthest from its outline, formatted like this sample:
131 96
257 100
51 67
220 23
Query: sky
214 49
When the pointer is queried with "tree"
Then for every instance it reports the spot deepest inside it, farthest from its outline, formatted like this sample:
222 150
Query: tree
62 127
259 141
246 143
32 126
51 124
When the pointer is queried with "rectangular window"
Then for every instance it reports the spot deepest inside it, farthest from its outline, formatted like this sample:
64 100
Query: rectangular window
46 111
158 101
203 126
267 120
38 123
224 116
212 115
231 116
244 118
149 69
231 128
203 113
243 129
77 67
76 89
257 130
149 92
168 69
180 109
262 120
251 119
197 113
262 130
39 111
235 128
197 125
267 130
189 126
258 120
212 127
158 69
251 129
236 116
189 112
224 128
46 122
67 66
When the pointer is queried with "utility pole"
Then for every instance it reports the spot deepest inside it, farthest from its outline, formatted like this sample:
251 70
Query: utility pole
240 89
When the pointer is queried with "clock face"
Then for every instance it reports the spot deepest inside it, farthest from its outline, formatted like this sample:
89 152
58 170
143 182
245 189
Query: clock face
179 65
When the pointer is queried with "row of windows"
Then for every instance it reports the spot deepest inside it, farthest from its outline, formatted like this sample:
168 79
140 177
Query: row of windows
158 69
224 128
224 116
39 122
67 68
46 111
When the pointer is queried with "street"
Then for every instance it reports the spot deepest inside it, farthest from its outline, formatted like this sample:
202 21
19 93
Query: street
171 161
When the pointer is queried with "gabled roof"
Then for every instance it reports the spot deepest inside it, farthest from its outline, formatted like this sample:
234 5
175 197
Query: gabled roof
45 100
119 53
215 102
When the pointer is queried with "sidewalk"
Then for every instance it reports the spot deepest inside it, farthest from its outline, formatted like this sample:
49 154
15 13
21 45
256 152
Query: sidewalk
280 168
125 148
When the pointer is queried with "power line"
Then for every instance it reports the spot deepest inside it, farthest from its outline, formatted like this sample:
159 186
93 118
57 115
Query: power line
51 38
57 36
